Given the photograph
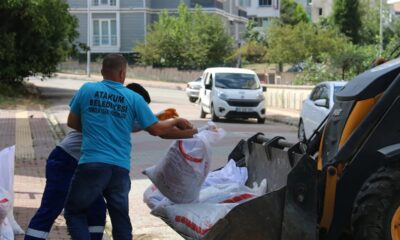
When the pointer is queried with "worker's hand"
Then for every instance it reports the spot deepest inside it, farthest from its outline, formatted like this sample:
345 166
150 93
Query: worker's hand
211 126
183 124
167 114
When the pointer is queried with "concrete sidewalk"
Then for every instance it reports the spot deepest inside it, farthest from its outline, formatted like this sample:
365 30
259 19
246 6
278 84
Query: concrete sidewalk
32 134
35 136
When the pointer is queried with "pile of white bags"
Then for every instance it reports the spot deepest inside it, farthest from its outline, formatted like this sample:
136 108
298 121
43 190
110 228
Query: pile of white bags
6 231
7 157
181 173
221 192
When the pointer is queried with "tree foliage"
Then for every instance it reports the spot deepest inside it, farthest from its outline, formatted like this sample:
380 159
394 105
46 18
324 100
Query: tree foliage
346 16
190 40
295 44
255 46
348 61
351 59
35 35
292 13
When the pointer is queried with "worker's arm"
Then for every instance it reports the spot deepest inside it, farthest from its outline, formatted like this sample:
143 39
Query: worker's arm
173 128
74 121
176 133
74 118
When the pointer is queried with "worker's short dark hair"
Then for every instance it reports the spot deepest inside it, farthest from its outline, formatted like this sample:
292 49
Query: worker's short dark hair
113 63
139 89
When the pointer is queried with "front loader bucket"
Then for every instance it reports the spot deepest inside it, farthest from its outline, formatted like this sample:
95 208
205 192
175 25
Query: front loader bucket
289 208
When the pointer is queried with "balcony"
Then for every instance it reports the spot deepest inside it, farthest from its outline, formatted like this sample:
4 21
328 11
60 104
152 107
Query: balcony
207 4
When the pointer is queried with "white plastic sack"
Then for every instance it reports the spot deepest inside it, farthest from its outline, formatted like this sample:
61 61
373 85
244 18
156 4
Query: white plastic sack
5 204
195 219
7 157
154 198
230 173
231 193
6 231
181 173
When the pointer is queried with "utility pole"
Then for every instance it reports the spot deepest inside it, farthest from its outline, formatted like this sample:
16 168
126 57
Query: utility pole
88 40
380 28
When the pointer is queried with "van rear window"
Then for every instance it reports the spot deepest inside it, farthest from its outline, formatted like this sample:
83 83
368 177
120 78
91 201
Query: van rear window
236 81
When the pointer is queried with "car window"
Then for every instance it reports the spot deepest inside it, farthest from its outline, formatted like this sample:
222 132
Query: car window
337 89
236 81
205 78
315 93
324 93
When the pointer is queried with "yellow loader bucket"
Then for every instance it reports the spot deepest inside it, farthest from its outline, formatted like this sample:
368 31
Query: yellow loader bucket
289 208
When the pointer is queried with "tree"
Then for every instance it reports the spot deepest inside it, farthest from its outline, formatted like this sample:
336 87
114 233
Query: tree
346 16
292 13
345 63
295 44
190 40
370 18
35 35
351 59
255 46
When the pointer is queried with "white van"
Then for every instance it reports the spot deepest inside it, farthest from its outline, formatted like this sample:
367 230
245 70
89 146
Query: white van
232 93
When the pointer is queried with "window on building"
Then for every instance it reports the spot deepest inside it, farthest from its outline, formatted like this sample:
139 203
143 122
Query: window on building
264 22
320 11
104 32
104 2
263 3
244 3
260 22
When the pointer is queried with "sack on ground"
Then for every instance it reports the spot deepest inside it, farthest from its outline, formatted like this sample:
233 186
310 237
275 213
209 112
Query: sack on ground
6 231
7 157
181 173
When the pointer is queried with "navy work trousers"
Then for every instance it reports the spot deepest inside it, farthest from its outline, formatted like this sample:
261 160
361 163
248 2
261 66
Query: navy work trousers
60 168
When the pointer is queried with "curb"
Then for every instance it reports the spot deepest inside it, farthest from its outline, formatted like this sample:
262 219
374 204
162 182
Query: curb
291 121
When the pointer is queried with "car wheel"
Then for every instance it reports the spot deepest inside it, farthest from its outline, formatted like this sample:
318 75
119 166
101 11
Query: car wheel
213 116
192 99
261 120
301 134
202 113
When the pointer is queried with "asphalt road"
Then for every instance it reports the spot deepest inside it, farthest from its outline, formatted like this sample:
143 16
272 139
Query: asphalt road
148 150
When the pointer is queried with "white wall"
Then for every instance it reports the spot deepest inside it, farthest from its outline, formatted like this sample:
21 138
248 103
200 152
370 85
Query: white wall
286 96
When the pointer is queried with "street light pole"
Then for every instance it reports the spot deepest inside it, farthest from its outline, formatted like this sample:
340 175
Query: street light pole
88 40
380 28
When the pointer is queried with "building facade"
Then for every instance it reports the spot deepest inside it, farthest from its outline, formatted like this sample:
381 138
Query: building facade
321 8
118 25
262 11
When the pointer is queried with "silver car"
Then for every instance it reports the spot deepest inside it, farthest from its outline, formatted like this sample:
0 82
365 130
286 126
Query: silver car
192 89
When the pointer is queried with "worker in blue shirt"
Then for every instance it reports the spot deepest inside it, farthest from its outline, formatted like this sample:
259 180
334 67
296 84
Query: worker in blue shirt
105 112
60 167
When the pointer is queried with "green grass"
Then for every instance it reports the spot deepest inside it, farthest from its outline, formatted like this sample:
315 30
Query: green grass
12 95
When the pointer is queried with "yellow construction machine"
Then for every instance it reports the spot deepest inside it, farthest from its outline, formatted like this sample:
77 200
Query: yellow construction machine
344 183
